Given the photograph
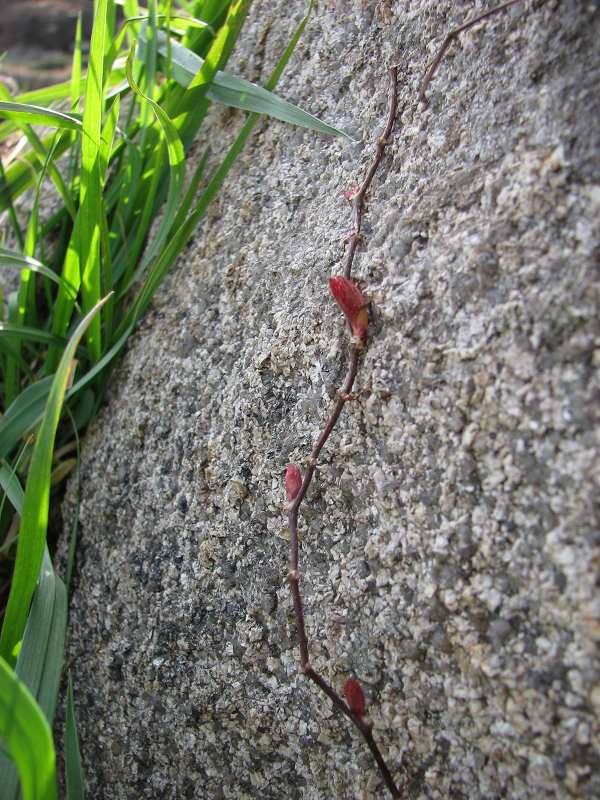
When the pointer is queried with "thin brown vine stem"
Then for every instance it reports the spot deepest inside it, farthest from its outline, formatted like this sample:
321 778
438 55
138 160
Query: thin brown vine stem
359 197
365 727
450 37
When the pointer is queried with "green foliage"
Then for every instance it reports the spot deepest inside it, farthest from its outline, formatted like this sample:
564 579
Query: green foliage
112 141
28 740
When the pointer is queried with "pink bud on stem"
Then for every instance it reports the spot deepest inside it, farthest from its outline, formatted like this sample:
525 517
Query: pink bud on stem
292 481
354 697
351 193
350 299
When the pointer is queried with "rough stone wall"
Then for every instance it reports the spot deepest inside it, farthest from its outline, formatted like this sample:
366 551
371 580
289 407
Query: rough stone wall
450 539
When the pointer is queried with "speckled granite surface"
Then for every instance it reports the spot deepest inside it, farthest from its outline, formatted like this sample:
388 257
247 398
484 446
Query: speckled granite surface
450 540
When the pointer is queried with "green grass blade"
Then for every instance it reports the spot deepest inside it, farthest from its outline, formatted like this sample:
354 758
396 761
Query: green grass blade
6 202
149 71
75 83
34 520
26 411
39 663
29 114
181 237
9 481
108 137
239 93
67 294
44 157
25 312
190 194
27 738
12 353
53 94
90 192
191 110
215 12
101 365
21 174
30 663
133 171
185 21
147 194
23 414
130 9
12 259
74 532
23 332
50 632
176 158
73 768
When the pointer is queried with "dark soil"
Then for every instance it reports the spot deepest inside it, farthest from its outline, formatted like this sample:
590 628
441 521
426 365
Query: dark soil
37 39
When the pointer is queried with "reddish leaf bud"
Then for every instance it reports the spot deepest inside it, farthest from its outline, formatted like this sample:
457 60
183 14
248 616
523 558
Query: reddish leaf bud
350 299
293 481
351 193
354 697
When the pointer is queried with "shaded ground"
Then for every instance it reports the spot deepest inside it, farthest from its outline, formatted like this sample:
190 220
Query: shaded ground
36 38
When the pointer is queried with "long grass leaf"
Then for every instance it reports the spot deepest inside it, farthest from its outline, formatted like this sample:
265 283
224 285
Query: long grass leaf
74 532
101 365
23 414
64 304
32 531
75 83
149 71
38 115
73 767
108 137
176 158
6 202
184 21
27 737
23 332
44 156
12 353
90 206
239 93
126 203
26 411
190 193
21 174
12 259
215 12
182 236
9 481
30 662
52 632
191 111
39 662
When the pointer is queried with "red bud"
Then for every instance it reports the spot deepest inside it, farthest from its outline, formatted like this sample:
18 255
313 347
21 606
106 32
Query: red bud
293 481
354 697
350 299
351 193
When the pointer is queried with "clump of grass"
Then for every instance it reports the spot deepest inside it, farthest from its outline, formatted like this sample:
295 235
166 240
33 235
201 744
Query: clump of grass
116 155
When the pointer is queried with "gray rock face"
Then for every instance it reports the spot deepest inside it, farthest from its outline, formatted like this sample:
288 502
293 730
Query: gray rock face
450 538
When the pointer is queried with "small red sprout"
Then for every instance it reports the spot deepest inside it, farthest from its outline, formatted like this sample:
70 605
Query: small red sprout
293 481
351 193
354 697
350 299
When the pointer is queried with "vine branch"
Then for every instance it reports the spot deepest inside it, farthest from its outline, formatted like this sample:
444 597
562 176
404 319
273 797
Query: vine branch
354 307
450 37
